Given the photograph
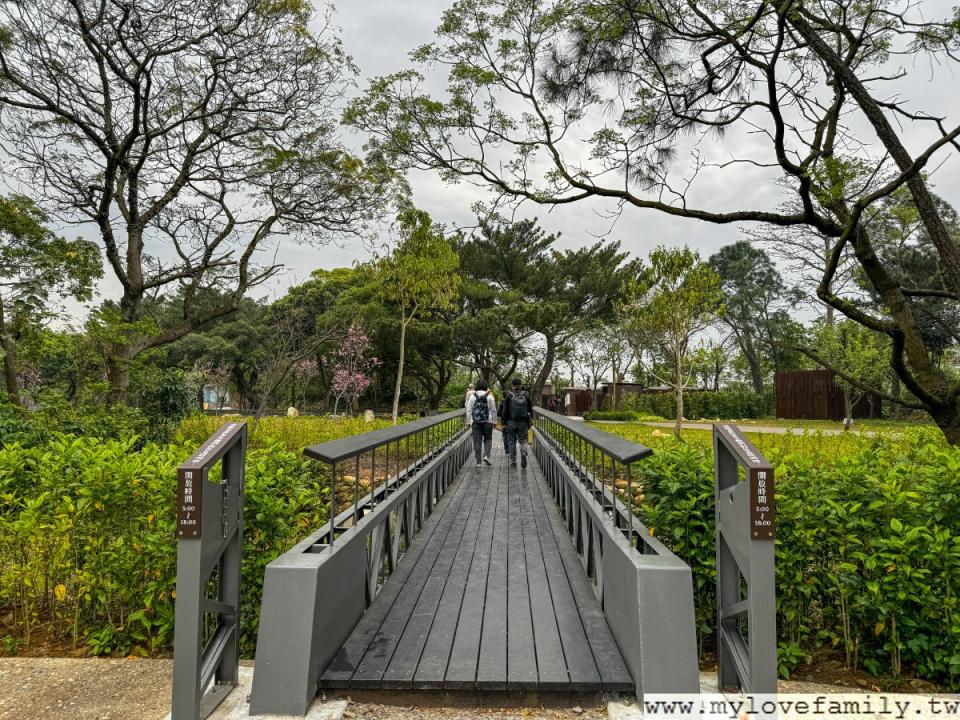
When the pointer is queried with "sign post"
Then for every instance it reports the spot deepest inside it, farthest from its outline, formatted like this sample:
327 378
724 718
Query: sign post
206 639
746 597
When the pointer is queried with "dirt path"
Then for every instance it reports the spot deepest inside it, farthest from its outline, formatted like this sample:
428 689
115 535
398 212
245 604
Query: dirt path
134 689
84 689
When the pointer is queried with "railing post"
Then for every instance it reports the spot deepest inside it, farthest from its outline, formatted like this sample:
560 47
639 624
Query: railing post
646 591
209 537
315 593
744 513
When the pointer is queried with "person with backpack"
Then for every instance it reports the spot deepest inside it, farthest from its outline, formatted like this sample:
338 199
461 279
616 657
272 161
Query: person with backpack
516 418
481 416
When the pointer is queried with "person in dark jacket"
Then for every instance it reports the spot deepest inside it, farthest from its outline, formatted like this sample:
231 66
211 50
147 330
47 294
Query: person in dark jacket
516 417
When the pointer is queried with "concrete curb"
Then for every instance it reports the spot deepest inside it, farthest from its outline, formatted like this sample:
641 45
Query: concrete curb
236 705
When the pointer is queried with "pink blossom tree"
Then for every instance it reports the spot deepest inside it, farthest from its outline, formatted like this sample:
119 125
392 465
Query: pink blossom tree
352 368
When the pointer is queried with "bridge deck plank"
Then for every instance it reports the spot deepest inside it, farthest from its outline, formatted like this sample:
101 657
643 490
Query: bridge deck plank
490 595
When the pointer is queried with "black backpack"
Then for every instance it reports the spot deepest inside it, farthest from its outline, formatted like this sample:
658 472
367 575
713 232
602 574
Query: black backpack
481 409
518 406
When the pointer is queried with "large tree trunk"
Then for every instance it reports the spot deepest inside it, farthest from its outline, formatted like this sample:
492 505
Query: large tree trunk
122 353
896 410
753 360
537 391
9 361
948 420
118 373
396 388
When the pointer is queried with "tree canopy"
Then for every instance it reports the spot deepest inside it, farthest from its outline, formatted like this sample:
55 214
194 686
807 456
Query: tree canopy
191 135
529 80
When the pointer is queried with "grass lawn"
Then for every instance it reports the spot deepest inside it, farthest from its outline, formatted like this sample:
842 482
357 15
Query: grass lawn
813 445
292 433
813 425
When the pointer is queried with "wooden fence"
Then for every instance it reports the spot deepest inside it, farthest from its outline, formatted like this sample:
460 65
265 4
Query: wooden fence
815 395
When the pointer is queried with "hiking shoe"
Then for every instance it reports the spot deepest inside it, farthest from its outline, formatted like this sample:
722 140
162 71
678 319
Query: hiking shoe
523 461
487 461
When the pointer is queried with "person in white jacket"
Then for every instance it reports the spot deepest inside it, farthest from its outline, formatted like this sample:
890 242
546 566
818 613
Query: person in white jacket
481 417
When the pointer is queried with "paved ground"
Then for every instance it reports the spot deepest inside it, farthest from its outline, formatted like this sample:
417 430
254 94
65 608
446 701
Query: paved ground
99 689
83 689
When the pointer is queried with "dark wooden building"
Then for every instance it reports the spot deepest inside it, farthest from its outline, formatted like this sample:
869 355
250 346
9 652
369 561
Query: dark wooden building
815 395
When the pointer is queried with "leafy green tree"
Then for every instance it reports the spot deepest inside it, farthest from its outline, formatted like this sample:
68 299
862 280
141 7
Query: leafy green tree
501 265
526 287
677 297
419 275
903 243
756 305
234 342
559 101
35 266
191 134
856 355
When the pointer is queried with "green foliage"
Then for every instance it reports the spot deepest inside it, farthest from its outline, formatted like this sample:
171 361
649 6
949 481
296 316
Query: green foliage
293 434
166 396
726 404
612 415
856 354
756 308
420 275
54 415
87 527
672 301
35 262
867 550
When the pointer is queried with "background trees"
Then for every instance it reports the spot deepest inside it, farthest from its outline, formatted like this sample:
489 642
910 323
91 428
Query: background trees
190 134
674 299
36 266
418 276
756 307
528 81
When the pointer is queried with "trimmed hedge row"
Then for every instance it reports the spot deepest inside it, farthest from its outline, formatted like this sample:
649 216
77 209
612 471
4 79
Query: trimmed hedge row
736 404
867 551
87 528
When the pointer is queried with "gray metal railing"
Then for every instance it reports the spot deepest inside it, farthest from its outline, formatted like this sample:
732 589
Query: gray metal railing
645 590
389 482
206 640
746 595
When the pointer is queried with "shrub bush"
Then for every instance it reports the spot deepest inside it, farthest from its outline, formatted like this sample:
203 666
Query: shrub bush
727 404
54 415
621 416
867 550
87 528
611 415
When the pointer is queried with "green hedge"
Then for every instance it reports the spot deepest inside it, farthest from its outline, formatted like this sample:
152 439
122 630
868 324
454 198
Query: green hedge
620 416
87 549
727 404
867 551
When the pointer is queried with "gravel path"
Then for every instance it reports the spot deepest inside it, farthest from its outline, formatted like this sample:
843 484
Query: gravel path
84 689
136 689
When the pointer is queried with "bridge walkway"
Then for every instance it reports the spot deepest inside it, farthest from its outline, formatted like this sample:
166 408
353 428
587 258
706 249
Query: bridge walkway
490 595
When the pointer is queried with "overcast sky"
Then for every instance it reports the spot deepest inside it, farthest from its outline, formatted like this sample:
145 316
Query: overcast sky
380 33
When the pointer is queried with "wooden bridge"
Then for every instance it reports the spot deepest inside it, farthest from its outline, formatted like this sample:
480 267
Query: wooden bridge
436 574
490 595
